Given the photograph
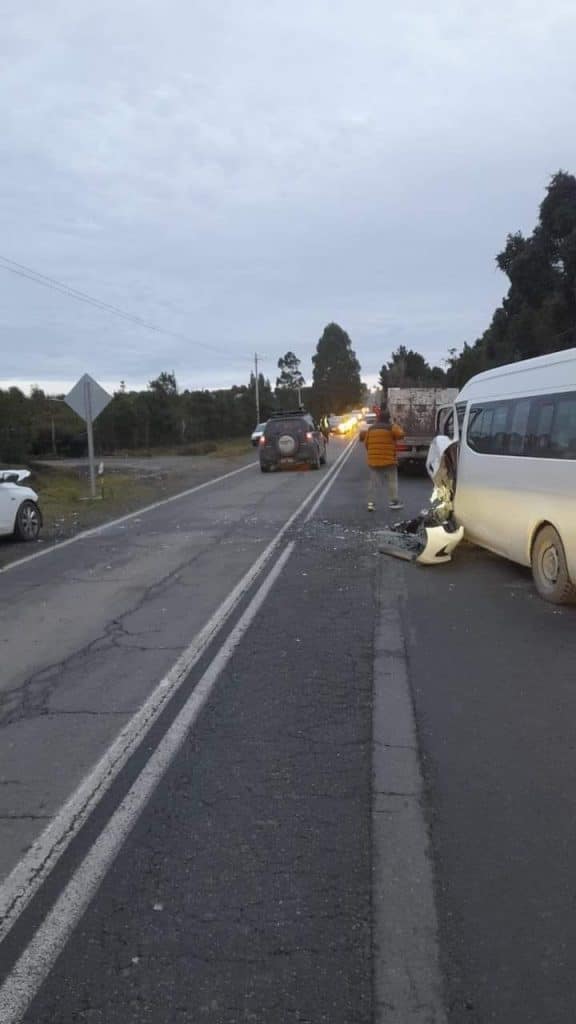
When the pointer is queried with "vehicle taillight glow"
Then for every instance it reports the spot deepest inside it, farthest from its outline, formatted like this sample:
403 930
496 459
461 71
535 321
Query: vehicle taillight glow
262 440
403 447
309 436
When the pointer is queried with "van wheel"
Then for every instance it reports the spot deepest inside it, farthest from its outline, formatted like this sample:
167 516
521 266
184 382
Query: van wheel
549 568
265 469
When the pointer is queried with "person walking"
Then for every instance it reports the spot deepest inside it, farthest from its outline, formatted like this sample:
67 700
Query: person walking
380 440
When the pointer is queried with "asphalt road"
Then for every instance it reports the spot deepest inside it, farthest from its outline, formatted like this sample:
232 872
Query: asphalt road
244 890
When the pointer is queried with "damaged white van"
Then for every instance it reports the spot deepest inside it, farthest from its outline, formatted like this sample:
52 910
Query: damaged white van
515 488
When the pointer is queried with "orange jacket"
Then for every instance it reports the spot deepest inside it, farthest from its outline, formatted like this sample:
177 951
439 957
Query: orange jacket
380 444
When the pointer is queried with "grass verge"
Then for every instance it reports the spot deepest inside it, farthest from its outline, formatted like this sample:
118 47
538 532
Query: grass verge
64 491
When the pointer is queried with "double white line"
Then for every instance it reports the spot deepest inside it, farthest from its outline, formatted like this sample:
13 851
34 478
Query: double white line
21 885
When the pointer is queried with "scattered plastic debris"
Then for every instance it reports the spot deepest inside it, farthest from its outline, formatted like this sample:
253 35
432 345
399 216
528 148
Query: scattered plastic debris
431 537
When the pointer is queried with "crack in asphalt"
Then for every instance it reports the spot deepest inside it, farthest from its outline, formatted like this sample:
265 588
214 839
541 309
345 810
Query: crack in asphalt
25 817
30 698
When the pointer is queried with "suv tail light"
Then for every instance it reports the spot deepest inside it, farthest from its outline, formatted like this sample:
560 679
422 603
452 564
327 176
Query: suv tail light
309 435
403 447
262 440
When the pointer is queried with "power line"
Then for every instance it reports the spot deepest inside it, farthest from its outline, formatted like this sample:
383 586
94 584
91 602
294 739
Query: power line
21 270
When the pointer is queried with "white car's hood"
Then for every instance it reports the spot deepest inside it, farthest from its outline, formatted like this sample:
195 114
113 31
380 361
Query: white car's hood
11 480
13 476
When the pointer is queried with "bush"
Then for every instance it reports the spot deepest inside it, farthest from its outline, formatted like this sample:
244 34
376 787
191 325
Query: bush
202 448
13 451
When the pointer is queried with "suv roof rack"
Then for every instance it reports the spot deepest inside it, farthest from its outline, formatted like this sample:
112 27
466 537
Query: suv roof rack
283 413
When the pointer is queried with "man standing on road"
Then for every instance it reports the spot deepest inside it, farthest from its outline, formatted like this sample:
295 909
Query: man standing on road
380 441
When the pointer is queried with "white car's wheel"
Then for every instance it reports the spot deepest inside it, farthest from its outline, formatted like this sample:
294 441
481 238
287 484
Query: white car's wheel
28 521
549 568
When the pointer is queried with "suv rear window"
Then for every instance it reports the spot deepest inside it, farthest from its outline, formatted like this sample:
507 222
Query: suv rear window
290 425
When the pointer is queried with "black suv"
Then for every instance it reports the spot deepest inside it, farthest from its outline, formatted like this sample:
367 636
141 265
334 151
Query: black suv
289 439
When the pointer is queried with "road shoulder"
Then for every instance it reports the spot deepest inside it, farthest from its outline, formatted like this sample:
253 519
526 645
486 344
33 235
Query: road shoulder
407 978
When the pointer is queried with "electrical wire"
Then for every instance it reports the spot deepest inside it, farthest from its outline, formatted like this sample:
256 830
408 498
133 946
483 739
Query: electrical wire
21 270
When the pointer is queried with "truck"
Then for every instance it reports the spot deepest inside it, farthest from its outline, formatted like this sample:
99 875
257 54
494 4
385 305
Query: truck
416 411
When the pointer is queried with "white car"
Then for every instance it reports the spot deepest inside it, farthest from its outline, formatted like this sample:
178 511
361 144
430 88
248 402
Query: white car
367 421
257 434
20 514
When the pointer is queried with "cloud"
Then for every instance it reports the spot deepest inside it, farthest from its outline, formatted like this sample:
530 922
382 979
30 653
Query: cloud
243 173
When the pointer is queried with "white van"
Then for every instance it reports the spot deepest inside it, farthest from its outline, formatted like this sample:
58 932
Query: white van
515 490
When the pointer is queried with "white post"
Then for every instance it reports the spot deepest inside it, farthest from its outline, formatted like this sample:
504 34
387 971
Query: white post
90 432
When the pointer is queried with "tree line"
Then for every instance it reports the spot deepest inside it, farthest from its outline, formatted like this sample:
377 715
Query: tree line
164 416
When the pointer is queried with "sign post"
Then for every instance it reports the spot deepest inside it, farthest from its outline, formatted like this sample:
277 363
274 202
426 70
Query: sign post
88 400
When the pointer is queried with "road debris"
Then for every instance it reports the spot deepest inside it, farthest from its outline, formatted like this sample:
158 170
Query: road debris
433 535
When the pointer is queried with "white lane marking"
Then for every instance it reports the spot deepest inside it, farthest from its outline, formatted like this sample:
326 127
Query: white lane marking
124 519
35 963
28 875
340 464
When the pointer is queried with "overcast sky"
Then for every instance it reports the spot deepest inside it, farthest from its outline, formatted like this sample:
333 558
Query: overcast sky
241 172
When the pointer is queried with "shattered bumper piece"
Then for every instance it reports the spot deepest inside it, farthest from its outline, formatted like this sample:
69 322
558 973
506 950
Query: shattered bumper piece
430 545
440 543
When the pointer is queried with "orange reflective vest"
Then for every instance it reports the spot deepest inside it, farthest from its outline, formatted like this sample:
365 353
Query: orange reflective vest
380 444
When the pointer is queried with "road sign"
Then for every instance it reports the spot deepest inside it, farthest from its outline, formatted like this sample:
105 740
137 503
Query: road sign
87 396
88 399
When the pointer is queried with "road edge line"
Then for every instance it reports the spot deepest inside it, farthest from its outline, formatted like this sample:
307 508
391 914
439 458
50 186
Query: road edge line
94 530
406 962
21 884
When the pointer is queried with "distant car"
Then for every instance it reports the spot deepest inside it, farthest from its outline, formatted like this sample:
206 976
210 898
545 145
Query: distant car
341 425
257 433
290 439
367 421
20 514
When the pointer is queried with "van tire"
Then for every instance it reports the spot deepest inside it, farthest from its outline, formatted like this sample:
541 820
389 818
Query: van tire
550 569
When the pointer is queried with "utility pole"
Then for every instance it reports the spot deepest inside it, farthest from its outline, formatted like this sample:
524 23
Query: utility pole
257 388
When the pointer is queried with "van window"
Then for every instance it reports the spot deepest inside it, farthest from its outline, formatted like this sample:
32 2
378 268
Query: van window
445 421
480 428
498 441
519 427
563 437
488 428
541 428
